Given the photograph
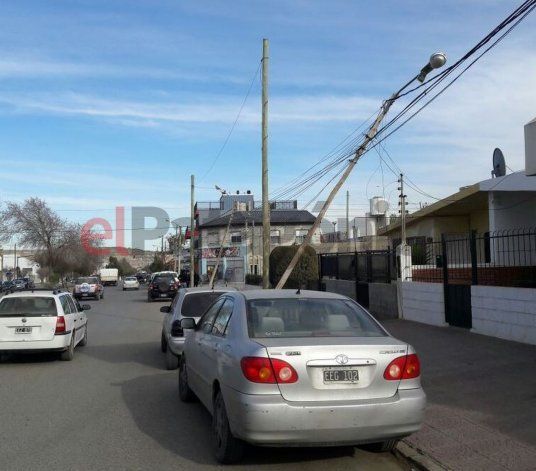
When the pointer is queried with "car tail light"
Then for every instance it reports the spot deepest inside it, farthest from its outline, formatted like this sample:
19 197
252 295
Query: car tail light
60 325
151 286
266 370
406 367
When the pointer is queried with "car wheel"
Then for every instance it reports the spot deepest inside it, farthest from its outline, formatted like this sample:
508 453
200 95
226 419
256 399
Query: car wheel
381 447
83 342
163 343
68 354
124 289
228 449
185 393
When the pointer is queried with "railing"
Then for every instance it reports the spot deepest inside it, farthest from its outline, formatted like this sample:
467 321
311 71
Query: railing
502 258
378 266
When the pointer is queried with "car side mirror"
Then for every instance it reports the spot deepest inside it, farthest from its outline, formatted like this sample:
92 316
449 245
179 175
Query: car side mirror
86 307
188 323
165 309
176 329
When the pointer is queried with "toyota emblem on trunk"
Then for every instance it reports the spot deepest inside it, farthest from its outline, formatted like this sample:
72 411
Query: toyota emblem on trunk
341 359
23 319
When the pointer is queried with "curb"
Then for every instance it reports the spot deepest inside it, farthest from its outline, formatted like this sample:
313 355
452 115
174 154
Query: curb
418 458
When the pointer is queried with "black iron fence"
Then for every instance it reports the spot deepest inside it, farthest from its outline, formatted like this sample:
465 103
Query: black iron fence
372 266
502 258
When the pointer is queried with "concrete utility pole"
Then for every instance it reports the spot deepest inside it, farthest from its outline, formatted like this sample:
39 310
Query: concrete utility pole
402 204
347 215
436 61
192 231
265 201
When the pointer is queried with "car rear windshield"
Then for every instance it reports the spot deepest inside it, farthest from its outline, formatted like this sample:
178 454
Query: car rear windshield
195 304
158 278
131 278
293 317
87 279
28 306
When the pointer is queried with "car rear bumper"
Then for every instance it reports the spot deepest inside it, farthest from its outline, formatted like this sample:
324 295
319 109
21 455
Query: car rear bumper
272 421
58 343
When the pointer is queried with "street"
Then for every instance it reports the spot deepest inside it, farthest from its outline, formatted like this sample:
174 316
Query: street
116 407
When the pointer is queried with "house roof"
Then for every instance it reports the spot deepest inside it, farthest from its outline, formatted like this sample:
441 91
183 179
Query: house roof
277 216
468 198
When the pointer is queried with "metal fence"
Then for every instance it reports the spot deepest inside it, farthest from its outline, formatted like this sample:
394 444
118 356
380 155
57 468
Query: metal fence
502 258
373 266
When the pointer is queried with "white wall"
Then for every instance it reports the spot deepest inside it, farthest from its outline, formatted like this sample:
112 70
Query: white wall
507 313
423 302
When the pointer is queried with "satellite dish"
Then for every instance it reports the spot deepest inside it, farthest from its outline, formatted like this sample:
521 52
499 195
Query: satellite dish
499 164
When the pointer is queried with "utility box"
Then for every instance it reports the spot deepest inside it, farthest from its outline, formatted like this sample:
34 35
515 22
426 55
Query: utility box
530 148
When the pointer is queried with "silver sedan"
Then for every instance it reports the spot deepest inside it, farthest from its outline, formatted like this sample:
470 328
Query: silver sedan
287 368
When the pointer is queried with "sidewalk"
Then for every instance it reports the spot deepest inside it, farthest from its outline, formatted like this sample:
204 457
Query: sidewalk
481 412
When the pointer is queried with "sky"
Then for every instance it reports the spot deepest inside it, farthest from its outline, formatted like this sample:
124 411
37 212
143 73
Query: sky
116 103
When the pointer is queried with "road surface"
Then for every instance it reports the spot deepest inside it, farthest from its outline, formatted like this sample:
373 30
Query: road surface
115 407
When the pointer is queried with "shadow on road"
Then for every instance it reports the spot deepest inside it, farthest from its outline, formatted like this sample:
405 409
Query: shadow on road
22 358
185 429
144 353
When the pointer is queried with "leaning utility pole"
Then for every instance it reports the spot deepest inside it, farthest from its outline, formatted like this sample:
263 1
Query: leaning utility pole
265 201
192 232
436 61
220 253
347 215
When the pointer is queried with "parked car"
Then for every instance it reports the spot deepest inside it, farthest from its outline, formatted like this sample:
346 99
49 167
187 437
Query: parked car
19 284
6 286
190 302
141 277
88 287
287 368
162 286
42 321
130 282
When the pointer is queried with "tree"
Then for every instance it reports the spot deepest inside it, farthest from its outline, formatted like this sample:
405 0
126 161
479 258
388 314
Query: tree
157 264
123 266
304 275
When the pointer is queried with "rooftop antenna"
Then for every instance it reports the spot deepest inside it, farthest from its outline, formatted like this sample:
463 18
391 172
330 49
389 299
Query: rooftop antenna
499 164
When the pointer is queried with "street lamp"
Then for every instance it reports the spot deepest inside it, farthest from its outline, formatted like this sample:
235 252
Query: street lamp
437 60
334 224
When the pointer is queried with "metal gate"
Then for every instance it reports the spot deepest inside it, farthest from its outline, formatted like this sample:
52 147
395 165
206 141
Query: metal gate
459 265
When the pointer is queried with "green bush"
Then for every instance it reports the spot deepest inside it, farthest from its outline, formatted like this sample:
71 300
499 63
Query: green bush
252 279
305 273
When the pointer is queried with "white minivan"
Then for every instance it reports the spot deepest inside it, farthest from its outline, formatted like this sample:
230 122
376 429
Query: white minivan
42 320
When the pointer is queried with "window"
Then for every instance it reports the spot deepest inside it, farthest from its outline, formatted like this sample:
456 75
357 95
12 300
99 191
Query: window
87 279
195 304
300 235
72 304
212 238
221 322
309 317
28 306
236 237
208 318
275 237
65 305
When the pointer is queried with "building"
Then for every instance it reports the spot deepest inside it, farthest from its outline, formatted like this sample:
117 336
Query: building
242 252
496 204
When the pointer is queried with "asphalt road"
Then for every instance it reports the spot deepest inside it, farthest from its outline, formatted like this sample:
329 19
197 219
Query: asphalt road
116 407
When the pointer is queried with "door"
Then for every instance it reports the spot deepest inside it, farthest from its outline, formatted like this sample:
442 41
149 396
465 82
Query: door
80 316
27 319
71 318
458 305
196 359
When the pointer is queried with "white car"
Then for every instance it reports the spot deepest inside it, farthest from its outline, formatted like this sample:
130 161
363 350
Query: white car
189 302
130 282
40 321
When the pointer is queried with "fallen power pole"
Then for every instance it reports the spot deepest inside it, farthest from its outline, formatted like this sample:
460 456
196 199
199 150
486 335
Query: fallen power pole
437 60
211 282
265 201
192 232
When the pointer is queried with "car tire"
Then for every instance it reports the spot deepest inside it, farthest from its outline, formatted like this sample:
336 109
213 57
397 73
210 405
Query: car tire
185 393
124 289
227 448
83 342
163 343
68 355
172 360
381 447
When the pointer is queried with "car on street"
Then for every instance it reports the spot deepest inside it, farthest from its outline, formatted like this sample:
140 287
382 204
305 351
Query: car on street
190 302
88 287
18 285
162 286
299 368
7 286
42 320
130 282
